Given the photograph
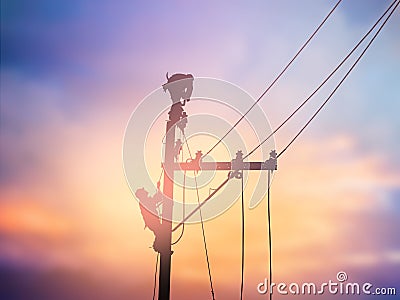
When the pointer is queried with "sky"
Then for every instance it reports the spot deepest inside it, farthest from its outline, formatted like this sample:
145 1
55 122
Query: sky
72 73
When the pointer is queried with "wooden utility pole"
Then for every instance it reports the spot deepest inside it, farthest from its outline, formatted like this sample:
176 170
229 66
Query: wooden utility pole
167 208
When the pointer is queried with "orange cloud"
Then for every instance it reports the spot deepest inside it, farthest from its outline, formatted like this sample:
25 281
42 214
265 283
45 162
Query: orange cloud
32 219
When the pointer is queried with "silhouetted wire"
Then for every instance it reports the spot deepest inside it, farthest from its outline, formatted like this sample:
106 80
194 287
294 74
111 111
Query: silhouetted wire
202 203
183 212
276 79
202 223
340 83
322 84
243 235
269 232
183 191
183 206
204 239
155 277
187 145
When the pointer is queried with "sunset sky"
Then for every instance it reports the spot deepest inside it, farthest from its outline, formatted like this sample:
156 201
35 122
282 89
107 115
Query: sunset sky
72 73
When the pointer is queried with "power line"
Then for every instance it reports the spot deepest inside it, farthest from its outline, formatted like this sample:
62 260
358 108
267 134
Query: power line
183 208
204 240
269 231
226 181
243 233
322 83
276 79
201 204
187 145
341 81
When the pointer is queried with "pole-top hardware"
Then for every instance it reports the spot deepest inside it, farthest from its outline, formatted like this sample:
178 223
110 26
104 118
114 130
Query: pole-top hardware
237 166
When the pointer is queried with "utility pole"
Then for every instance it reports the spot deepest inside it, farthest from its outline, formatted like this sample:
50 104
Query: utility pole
168 191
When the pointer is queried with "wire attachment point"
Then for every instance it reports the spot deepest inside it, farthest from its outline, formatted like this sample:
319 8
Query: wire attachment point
272 162
237 166
196 162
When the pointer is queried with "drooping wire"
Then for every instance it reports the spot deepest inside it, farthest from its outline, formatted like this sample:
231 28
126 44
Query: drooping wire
204 239
188 216
187 145
322 83
243 236
183 206
269 231
155 277
276 79
202 223
183 212
341 81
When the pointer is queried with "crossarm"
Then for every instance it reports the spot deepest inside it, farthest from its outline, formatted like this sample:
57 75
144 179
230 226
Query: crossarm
194 165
